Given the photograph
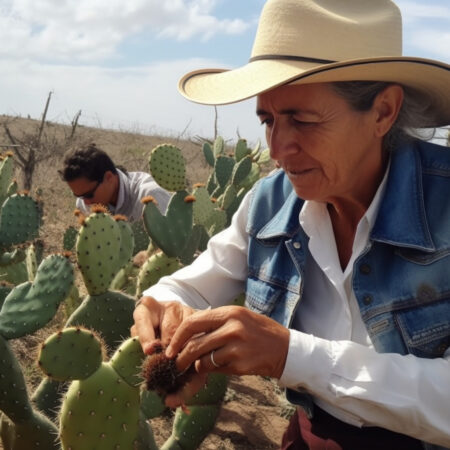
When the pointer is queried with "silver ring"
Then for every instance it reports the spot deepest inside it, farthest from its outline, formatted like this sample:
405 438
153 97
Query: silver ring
212 359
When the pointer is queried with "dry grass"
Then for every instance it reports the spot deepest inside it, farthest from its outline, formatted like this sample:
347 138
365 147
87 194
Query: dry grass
243 424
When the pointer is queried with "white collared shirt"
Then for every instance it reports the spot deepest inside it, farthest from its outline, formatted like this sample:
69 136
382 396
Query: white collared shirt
332 357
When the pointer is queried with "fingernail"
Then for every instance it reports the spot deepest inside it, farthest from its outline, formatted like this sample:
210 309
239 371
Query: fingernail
169 352
147 349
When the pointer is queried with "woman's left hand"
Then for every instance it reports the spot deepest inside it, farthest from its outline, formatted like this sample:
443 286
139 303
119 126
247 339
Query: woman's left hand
243 342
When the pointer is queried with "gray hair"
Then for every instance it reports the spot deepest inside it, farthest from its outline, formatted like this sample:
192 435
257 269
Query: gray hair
416 111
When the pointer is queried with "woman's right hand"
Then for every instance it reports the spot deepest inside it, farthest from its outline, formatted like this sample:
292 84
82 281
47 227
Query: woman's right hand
157 320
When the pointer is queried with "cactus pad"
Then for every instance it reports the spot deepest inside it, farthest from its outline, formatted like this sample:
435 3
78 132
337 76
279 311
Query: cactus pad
20 218
168 168
98 251
172 231
71 354
32 305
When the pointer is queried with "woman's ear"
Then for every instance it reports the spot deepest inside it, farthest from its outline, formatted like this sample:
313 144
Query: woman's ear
387 105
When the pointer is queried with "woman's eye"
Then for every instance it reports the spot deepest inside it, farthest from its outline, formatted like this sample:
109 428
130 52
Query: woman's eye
302 122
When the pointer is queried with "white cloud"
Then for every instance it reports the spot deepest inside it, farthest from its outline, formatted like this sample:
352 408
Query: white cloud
418 11
434 42
141 98
87 30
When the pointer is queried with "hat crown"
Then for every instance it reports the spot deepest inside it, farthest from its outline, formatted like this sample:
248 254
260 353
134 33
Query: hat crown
330 30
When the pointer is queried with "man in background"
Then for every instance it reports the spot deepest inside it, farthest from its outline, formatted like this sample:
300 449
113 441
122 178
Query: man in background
94 178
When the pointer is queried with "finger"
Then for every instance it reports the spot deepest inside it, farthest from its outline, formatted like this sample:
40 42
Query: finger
214 361
200 322
146 320
173 316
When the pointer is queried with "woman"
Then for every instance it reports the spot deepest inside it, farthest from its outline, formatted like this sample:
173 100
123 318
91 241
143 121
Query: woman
343 253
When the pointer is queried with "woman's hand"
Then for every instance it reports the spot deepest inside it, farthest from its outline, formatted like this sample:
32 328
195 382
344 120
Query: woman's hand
157 320
243 342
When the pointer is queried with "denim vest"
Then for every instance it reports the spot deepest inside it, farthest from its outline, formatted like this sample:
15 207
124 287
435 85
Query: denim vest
401 280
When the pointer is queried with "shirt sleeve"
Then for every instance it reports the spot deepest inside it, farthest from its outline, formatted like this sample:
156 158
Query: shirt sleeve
218 275
388 390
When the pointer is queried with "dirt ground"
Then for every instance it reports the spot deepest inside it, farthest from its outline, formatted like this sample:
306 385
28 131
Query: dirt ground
253 416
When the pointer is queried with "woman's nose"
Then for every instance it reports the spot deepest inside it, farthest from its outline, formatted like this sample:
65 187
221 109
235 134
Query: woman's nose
280 141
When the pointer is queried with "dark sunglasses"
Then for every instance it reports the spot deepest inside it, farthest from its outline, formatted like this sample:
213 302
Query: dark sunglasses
90 194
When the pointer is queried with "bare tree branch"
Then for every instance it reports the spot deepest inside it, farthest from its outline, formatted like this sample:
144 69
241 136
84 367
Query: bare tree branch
74 125
216 118
44 116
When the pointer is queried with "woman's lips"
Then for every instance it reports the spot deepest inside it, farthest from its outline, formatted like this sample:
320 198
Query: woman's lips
297 172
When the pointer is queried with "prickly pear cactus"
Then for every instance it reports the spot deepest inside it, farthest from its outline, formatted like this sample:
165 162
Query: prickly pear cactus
157 266
31 305
98 250
126 240
110 313
101 407
171 232
20 218
70 238
27 308
168 168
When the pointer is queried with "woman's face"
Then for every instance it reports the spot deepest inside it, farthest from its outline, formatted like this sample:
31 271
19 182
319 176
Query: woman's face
328 150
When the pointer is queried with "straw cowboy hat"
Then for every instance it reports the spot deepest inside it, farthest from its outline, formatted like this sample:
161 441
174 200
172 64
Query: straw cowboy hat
313 41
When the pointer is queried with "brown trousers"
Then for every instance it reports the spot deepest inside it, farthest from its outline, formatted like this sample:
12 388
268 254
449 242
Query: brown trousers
325 432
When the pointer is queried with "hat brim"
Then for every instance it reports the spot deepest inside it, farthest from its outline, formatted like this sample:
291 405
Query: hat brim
221 86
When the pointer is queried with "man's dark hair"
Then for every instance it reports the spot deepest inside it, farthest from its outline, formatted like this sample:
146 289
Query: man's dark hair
90 162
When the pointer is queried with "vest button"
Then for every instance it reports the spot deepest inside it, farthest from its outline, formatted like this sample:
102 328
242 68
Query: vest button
368 299
365 269
297 245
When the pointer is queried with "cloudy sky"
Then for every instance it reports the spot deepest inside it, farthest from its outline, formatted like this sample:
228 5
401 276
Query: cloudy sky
119 61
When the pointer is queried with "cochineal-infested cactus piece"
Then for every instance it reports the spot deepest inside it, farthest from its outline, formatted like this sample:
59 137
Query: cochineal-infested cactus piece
74 354
160 373
20 218
98 250
168 167
102 411
191 424
157 266
172 231
31 305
